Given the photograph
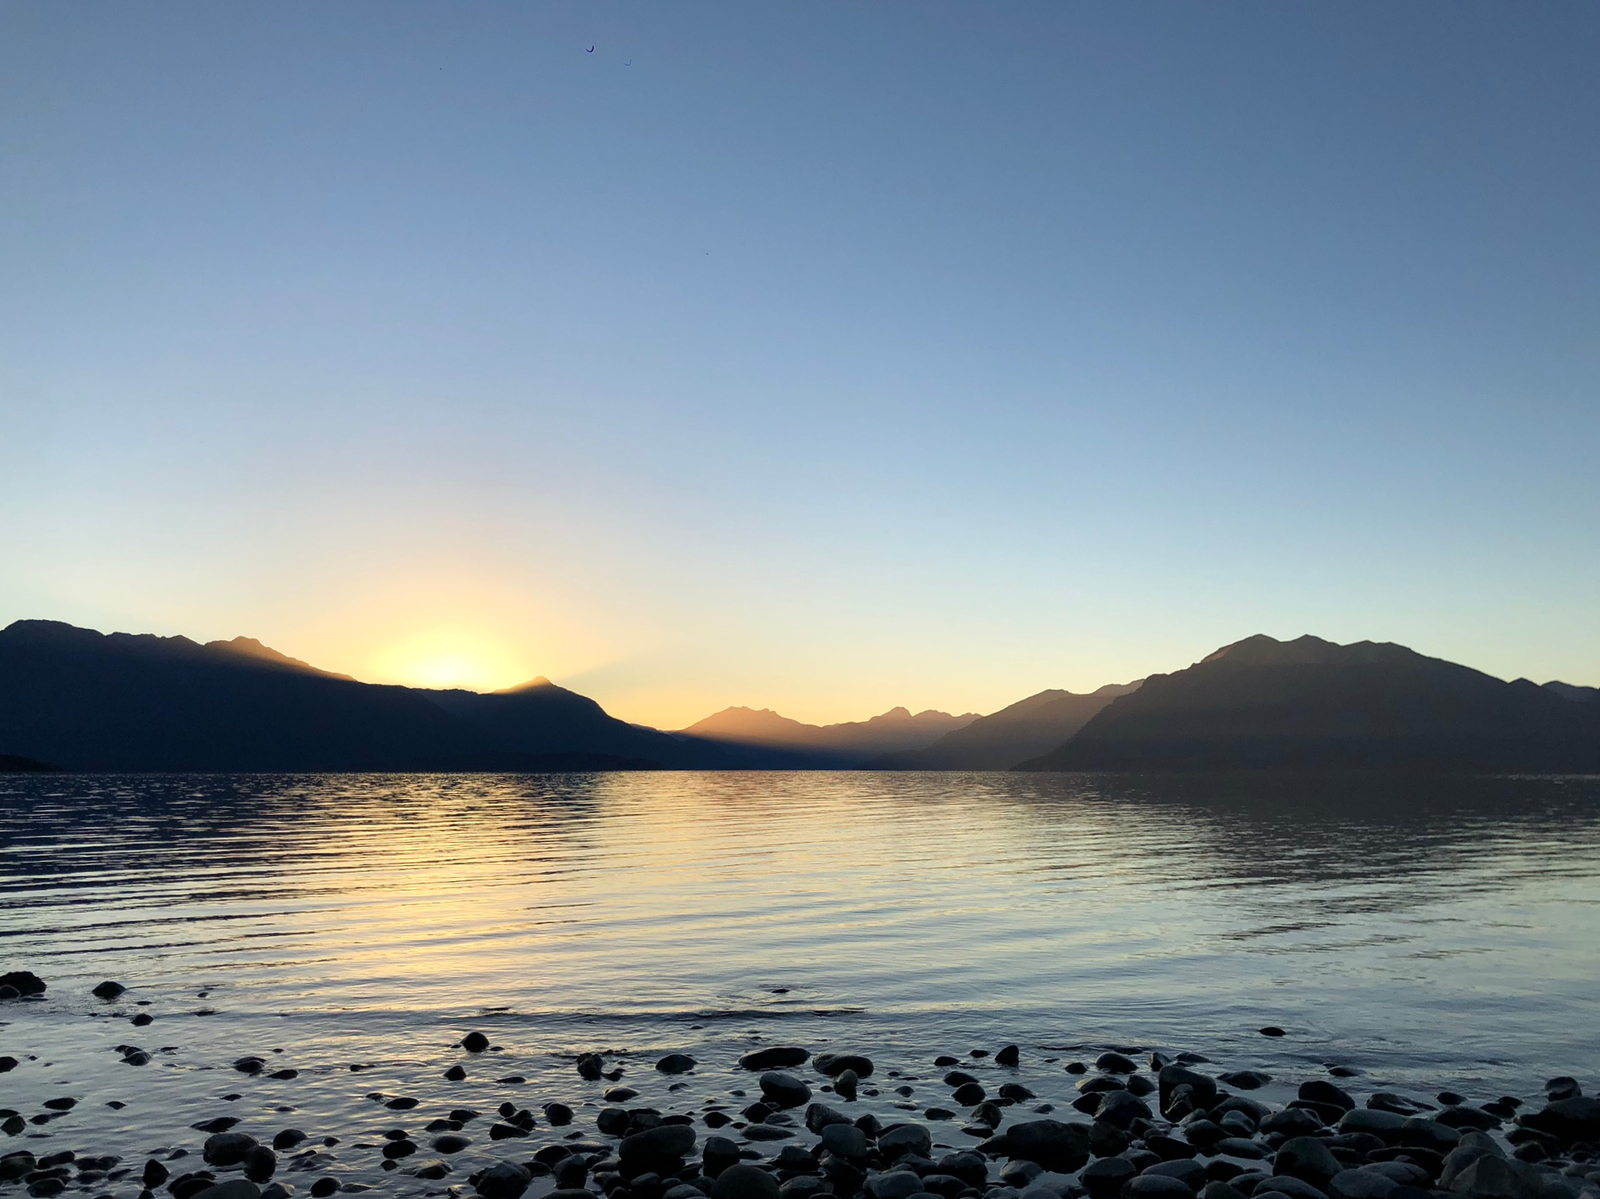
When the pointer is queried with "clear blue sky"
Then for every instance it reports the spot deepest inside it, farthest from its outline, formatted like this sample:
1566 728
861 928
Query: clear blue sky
818 356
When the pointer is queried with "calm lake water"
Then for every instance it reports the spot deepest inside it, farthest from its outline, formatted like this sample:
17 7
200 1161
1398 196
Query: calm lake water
1427 934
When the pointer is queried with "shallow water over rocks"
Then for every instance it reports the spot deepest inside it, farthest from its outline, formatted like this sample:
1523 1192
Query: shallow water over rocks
1414 936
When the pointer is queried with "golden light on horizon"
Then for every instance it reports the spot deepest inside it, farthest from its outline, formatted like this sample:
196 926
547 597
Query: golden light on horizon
451 658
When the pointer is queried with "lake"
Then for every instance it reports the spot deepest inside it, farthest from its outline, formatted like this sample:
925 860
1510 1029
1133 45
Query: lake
1422 933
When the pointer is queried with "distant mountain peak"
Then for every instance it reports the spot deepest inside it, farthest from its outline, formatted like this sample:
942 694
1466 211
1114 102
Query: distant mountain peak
1306 650
533 684
249 647
845 743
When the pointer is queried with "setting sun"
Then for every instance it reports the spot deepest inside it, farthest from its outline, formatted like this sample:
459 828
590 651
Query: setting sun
450 659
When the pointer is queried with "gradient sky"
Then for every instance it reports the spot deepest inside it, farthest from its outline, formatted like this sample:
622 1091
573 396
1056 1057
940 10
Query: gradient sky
820 356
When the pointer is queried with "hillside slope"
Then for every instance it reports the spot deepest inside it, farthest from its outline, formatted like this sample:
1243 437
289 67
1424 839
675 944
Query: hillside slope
1000 740
1309 703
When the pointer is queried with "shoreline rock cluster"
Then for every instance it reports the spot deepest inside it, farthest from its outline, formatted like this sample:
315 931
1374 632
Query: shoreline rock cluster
1132 1125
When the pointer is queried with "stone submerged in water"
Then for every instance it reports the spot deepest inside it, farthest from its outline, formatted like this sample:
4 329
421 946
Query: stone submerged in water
108 990
676 1063
776 1057
227 1148
834 1064
23 982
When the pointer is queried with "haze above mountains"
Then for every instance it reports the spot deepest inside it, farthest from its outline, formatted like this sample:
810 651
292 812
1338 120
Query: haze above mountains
81 700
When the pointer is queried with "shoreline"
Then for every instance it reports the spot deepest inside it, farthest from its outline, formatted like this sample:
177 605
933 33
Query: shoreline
771 1122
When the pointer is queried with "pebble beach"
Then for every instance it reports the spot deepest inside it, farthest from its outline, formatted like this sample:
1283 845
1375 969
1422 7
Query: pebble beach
148 1105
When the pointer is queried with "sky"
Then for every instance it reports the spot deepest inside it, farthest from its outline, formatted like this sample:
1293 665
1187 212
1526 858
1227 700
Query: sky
823 357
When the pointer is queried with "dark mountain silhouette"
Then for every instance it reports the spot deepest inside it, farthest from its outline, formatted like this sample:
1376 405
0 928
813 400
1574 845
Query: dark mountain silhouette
538 717
91 701
13 764
1002 739
1587 695
1309 703
837 745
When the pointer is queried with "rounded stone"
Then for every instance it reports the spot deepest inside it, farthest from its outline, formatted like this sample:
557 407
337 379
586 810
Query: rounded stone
662 1141
900 1139
776 1057
1294 1188
1362 1183
227 1148
833 1064
1106 1177
744 1182
504 1180
475 1042
846 1140
784 1090
1308 1159
1186 1170
895 1184
1157 1186
234 1188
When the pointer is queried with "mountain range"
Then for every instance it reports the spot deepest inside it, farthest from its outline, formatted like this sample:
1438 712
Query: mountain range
1311 704
999 741
81 700
830 745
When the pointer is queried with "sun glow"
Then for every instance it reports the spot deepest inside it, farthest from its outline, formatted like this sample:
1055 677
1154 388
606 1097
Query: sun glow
451 659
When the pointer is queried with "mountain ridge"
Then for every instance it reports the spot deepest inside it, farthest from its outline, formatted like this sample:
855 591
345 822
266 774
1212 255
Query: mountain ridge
1001 739
846 743
1313 704
79 699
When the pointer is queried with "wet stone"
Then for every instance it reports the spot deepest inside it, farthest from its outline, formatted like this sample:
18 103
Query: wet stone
1157 1186
777 1057
504 1180
24 982
1245 1080
834 1064
744 1182
784 1090
1105 1178
227 1148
